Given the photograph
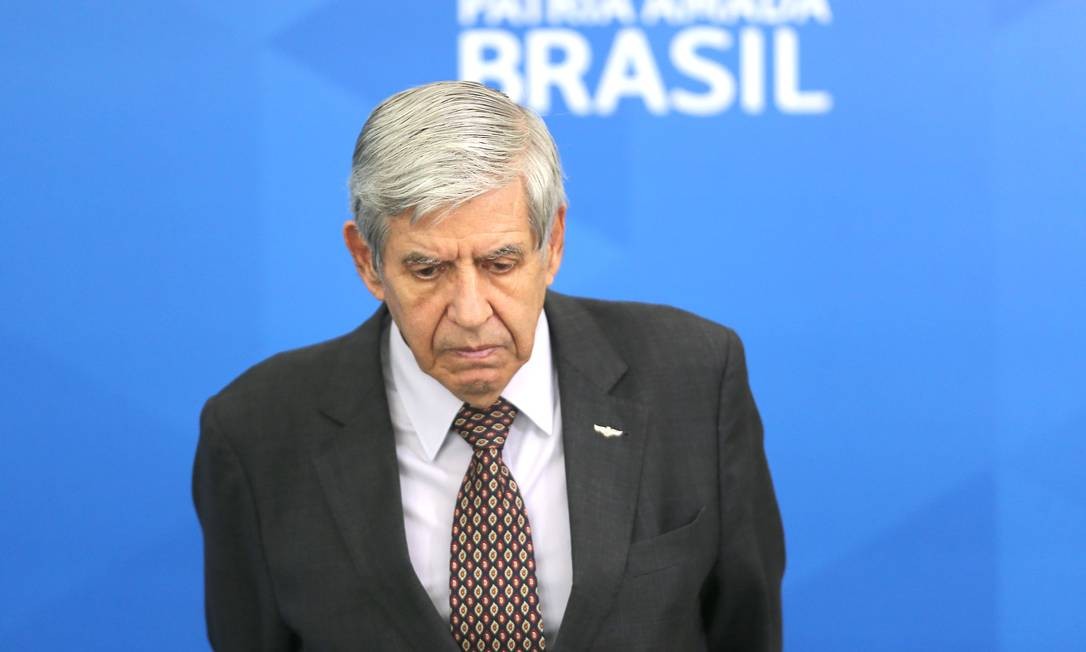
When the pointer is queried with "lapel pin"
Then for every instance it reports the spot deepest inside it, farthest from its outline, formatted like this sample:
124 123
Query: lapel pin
607 431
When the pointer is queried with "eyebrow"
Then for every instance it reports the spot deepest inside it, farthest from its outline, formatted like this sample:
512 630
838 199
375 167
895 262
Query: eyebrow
512 250
416 258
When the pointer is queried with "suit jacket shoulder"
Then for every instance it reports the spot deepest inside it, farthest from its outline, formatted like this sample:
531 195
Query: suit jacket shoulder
295 384
655 339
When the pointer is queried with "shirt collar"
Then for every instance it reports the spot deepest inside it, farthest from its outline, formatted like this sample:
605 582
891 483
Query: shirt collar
431 407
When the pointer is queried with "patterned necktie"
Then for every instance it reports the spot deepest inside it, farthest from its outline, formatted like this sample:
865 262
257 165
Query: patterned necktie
493 592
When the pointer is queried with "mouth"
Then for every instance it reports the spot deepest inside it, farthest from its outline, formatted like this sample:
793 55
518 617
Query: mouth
475 352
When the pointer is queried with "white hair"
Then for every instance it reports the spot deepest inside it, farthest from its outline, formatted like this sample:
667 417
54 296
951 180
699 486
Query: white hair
431 148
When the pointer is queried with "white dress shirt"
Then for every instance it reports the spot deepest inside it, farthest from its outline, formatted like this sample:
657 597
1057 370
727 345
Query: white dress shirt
433 461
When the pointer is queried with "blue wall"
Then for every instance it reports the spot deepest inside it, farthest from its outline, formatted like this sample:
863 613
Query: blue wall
899 235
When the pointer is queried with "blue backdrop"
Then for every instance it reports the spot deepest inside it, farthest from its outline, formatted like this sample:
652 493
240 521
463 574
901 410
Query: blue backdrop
886 200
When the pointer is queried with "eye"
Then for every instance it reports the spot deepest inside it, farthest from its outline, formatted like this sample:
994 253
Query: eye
427 273
501 266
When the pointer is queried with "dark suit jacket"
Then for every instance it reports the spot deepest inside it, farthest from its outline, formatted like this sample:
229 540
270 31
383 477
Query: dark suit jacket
677 541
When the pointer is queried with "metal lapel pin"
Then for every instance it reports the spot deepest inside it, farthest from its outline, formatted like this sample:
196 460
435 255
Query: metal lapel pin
607 431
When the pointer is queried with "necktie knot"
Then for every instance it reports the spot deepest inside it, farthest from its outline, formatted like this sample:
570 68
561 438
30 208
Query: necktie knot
485 428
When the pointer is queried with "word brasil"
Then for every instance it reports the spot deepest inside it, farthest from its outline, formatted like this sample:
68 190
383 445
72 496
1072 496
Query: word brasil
630 71
719 53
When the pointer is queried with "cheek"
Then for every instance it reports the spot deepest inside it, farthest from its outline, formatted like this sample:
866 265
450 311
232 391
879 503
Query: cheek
424 326
519 313
419 320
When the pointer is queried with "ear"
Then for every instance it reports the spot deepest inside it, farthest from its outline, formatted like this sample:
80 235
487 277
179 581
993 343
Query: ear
363 259
556 244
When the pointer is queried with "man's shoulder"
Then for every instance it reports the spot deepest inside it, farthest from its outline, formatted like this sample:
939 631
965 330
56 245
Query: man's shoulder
655 333
650 315
299 379
296 370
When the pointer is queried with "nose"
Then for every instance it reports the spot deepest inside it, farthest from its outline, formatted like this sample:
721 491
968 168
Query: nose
469 307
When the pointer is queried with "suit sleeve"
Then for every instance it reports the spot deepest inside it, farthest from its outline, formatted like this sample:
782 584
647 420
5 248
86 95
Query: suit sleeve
240 603
743 603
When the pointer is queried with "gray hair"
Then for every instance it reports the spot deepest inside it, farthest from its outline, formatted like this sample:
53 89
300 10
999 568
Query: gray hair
431 148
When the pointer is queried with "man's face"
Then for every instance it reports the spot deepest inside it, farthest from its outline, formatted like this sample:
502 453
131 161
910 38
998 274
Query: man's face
466 291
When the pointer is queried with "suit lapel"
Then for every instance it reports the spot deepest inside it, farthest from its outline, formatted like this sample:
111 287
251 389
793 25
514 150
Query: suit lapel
602 473
358 472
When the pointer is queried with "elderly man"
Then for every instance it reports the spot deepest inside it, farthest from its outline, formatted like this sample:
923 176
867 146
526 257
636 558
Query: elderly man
485 464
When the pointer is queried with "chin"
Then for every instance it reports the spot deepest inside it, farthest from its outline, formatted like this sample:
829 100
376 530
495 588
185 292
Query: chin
476 389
